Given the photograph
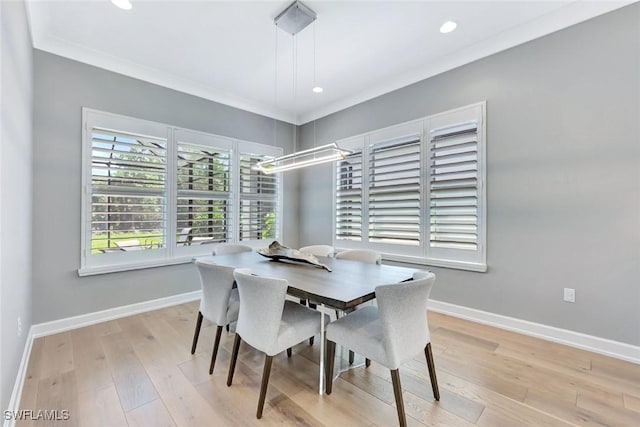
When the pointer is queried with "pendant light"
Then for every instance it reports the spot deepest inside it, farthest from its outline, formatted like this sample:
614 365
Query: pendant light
293 19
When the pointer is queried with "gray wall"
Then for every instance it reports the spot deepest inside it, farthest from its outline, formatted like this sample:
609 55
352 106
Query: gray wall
62 88
563 175
16 168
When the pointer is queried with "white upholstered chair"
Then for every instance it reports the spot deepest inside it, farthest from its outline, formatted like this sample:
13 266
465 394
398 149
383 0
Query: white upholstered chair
318 250
269 323
362 255
390 334
219 303
230 248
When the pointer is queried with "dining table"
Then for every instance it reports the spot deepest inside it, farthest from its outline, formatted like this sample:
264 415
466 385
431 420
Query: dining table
343 285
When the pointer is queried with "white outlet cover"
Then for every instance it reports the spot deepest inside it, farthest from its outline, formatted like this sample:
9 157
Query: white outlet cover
569 295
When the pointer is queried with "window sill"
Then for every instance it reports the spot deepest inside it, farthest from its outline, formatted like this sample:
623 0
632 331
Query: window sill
457 265
93 271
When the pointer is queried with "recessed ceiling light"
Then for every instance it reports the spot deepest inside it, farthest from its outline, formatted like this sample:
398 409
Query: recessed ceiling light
122 4
317 89
448 26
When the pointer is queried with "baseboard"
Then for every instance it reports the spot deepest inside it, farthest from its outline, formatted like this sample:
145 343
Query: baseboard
16 394
579 340
55 326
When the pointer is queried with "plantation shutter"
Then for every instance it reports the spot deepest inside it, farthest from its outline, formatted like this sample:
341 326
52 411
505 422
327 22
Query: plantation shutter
204 194
349 197
258 201
128 191
394 191
454 187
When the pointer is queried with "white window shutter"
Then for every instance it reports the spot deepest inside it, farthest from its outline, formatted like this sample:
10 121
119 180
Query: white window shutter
395 191
348 211
453 194
153 194
128 191
259 198
204 199
419 195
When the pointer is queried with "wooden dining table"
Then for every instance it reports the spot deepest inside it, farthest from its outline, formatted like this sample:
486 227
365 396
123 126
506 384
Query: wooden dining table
347 285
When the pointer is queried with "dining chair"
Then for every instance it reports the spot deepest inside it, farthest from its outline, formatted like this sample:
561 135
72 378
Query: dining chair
363 255
269 323
390 334
318 250
219 303
230 248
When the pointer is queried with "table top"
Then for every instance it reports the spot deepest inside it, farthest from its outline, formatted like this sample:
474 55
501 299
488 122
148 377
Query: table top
349 284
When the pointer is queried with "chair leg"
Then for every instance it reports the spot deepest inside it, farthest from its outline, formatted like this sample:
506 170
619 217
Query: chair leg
289 352
265 383
330 358
367 362
228 327
234 357
432 371
214 353
197 333
351 357
397 391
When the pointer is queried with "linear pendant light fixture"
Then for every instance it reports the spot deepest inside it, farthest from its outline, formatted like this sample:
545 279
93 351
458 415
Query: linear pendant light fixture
294 19
313 156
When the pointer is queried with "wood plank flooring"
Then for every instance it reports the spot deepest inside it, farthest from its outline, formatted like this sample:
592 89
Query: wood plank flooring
138 371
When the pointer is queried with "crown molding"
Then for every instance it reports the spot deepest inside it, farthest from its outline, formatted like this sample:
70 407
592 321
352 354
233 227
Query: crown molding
566 16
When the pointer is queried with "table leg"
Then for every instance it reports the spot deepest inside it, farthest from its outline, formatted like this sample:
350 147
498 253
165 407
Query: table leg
322 339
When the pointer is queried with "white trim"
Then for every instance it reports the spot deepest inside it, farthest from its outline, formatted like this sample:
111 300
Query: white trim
16 394
434 262
92 271
616 349
62 325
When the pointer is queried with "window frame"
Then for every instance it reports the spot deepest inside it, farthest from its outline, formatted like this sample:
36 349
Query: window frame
172 253
422 254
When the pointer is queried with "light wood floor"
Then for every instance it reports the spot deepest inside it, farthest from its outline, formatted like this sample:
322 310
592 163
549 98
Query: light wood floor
138 371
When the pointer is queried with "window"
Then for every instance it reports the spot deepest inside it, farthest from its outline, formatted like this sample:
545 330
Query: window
204 196
258 200
394 191
421 194
157 195
349 197
128 182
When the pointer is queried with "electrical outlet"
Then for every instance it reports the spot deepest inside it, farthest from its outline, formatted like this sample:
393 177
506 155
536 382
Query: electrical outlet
19 326
569 295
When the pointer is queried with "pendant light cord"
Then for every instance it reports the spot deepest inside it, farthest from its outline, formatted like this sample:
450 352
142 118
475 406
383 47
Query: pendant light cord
314 82
275 87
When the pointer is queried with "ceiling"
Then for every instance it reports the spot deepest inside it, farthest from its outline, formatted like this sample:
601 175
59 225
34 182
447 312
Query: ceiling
231 51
